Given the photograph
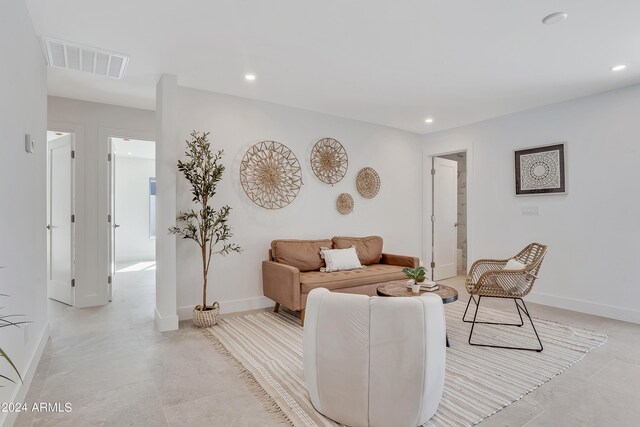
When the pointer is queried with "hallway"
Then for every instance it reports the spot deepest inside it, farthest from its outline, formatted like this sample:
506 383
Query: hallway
115 369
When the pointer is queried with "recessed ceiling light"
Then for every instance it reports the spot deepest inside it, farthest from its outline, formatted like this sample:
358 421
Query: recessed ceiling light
428 120
129 153
250 77
618 67
554 18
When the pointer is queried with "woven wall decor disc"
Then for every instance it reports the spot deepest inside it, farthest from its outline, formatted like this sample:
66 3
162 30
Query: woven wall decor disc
270 175
368 183
329 160
345 203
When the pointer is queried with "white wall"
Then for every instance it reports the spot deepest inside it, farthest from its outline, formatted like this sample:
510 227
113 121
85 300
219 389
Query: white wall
236 124
165 311
593 231
23 109
93 125
132 208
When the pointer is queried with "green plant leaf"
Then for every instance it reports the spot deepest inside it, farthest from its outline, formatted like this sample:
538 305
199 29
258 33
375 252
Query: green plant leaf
409 272
8 359
7 378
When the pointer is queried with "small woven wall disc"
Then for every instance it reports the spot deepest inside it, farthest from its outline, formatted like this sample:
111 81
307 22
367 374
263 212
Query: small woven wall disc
344 203
368 182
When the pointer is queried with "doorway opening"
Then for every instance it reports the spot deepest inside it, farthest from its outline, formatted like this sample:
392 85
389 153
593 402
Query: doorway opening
61 217
449 215
132 222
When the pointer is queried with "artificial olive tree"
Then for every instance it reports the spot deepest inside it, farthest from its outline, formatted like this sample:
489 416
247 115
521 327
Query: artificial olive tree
203 224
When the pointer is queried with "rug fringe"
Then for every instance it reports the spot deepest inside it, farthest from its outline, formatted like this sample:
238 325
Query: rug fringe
254 386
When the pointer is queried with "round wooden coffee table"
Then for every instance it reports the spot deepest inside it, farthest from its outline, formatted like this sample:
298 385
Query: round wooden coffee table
398 288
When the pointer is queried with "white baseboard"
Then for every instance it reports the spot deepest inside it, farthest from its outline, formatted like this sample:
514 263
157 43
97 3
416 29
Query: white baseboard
604 310
165 323
230 306
21 392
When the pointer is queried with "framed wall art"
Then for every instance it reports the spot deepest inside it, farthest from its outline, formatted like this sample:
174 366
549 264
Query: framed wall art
540 170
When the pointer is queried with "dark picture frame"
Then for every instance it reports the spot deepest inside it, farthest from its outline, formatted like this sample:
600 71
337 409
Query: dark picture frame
541 170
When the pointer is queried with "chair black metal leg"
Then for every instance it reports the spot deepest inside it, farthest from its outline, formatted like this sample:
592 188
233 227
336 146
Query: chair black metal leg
465 310
518 310
522 309
473 323
490 323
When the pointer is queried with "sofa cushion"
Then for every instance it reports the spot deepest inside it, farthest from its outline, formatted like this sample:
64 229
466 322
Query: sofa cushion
369 248
375 273
302 254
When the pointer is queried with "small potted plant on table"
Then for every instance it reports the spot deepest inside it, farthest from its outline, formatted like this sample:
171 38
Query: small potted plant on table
204 225
417 277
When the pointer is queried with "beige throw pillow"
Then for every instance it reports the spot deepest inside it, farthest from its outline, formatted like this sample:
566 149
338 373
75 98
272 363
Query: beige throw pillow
514 264
340 259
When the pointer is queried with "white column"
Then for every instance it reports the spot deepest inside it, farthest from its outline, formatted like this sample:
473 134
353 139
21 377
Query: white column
166 173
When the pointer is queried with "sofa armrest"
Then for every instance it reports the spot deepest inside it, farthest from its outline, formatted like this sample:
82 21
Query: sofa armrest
281 283
400 260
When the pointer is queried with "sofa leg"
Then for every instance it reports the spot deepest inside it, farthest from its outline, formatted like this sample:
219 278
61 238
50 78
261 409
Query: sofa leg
302 317
276 309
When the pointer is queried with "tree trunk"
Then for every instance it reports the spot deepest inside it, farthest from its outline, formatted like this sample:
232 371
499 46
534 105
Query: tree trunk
204 275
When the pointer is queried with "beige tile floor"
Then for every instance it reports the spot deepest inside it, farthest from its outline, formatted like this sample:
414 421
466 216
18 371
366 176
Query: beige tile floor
116 370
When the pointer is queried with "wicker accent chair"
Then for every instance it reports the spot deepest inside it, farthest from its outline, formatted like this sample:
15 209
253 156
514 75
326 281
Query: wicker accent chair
488 279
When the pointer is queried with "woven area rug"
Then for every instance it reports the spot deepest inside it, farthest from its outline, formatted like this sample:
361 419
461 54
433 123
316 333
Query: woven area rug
479 381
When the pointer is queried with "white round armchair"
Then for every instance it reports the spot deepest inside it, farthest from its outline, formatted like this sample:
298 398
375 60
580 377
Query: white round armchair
374 361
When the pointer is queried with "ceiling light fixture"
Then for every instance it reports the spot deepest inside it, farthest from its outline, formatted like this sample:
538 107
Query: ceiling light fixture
618 67
129 153
428 120
555 18
250 77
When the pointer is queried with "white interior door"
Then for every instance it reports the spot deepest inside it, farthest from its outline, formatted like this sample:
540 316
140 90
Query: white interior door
445 217
113 225
60 227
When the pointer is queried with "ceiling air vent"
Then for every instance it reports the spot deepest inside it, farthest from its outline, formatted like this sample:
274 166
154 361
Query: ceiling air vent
72 56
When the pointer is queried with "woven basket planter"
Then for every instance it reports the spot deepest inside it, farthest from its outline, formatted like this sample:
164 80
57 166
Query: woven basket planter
207 317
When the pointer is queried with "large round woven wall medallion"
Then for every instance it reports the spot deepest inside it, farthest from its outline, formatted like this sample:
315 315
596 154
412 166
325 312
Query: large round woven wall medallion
270 175
344 203
368 182
329 160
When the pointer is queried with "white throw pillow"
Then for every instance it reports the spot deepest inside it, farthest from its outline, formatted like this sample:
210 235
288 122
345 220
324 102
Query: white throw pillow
340 259
514 264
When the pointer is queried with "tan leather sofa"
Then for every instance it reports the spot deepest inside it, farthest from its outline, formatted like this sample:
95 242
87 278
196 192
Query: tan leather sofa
293 269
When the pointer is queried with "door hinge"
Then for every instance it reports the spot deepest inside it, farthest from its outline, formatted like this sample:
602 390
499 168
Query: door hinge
73 218
433 218
433 264
109 157
73 154
109 218
73 283
433 171
109 280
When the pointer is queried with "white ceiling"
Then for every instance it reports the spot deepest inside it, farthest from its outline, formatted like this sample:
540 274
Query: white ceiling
388 62
134 148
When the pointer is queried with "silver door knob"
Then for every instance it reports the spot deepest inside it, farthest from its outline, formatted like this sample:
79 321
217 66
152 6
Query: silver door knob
116 225
48 226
